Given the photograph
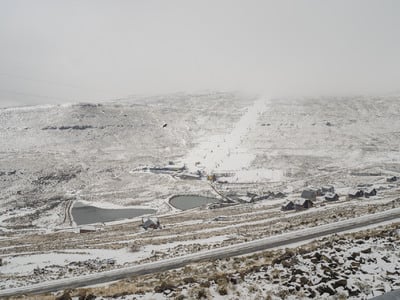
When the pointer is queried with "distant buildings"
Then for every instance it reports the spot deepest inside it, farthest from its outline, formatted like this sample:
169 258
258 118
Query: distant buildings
303 204
355 194
289 205
331 197
297 205
153 223
310 193
327 189
370 193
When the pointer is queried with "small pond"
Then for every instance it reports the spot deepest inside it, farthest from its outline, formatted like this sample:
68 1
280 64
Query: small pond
86 214
185 202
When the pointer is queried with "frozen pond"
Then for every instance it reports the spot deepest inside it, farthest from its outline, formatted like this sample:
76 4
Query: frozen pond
86 214
185 202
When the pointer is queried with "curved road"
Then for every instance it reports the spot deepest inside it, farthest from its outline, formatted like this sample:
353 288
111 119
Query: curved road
233 250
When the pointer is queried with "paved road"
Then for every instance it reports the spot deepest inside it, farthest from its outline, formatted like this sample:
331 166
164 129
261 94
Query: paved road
233 250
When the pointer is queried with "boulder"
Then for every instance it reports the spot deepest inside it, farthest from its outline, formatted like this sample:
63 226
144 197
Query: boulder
324 288
339 283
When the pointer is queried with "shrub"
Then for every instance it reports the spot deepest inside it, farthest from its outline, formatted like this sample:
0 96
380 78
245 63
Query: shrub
222 290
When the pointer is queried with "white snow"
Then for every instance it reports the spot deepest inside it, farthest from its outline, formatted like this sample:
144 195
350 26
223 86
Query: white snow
226 153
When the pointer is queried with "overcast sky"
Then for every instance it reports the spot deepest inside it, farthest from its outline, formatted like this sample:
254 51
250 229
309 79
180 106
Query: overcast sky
68 51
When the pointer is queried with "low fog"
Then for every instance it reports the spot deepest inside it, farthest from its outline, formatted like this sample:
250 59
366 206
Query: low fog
70 51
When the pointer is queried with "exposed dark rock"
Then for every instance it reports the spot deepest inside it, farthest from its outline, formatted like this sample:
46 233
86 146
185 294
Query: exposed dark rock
325 279
75 127
353 291
163 287
333 265
338 283
324 288
286 263
56 177
366 251
87 297
353 256
317 255
65 296
235 280
188 280
297 272
325 258
205 284
312 293
314 260
304 280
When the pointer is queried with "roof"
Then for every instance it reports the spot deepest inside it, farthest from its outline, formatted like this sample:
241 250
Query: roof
331 195
87 228
353 192
149 222
302 201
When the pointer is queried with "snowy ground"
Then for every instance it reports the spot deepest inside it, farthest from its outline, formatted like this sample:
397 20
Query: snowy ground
51 156
352 266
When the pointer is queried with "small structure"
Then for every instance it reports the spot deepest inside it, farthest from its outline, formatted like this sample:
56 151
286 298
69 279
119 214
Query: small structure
189 176
278 195
391 179
261 197
303 204
153 223
310 193
220 218
331 197
370 193
356 194
212 178
86 229
327 189
288 205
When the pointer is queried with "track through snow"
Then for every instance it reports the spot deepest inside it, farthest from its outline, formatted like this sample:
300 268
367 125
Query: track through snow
226 152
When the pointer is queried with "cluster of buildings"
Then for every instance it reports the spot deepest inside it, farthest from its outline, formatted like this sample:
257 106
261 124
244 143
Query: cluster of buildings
310 194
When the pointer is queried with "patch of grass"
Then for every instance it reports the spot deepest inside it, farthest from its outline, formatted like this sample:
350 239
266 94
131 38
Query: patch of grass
223 290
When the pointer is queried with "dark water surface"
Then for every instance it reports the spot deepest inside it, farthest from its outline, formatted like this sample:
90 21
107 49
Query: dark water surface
185 202
86 214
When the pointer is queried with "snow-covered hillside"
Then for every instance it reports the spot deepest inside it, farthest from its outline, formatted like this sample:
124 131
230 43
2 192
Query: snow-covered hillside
52 154
255 153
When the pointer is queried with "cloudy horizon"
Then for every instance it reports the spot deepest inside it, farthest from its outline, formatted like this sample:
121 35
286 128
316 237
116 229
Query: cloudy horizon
77 51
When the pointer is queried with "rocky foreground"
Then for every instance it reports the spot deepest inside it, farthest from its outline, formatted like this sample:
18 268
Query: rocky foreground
352 266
